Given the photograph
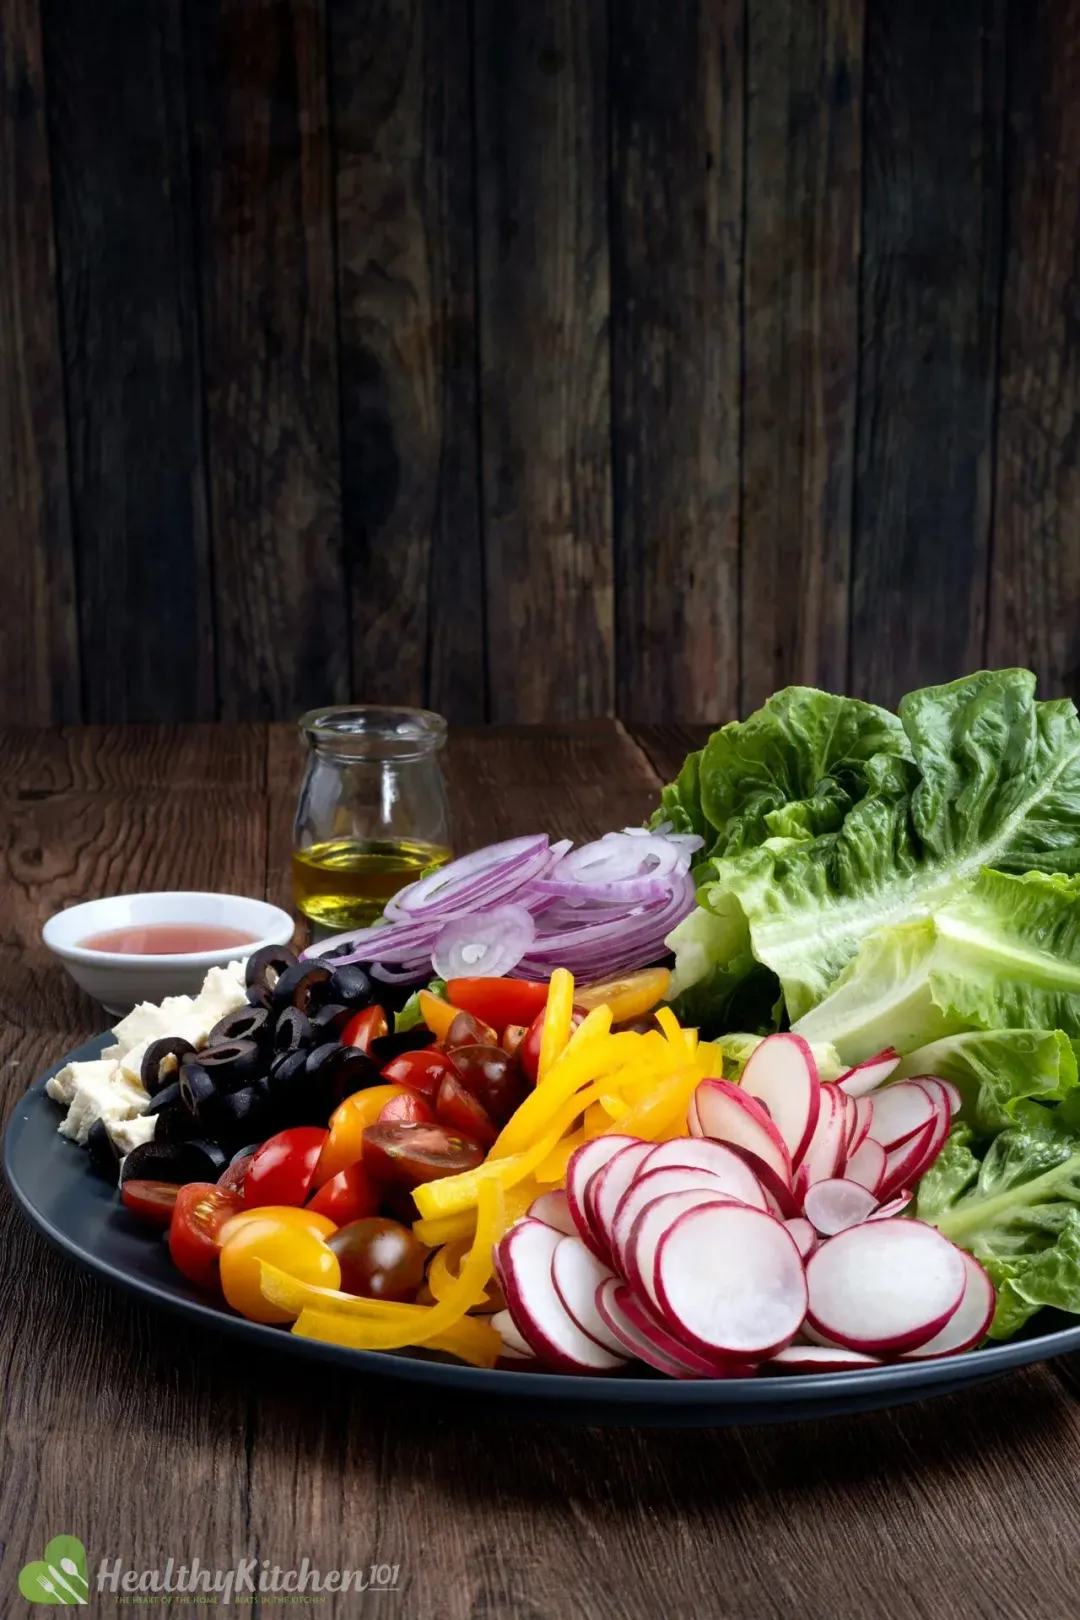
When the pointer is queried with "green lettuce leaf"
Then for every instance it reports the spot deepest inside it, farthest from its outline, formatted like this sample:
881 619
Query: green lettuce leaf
410 1015
995 1070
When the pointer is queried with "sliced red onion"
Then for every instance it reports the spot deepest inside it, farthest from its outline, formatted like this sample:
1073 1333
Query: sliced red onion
485 945
464 882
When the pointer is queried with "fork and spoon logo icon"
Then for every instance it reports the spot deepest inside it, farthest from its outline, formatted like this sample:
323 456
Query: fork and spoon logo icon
59 1576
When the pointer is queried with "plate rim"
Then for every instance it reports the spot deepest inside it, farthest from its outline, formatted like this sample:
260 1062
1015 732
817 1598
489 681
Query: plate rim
762 1393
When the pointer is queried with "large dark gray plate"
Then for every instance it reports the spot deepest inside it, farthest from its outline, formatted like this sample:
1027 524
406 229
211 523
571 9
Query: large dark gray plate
82 1215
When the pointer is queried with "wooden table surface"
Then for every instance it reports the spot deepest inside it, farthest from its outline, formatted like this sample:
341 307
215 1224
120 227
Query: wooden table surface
149 1440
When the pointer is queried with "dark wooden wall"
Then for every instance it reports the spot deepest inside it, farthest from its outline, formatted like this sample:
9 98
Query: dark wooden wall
534 358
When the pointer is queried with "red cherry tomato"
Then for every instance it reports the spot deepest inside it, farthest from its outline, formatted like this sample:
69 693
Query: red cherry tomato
283 1168
348 1196
201 1211
369 1025
421 1071
498 1002
233 1176
458 1108
466 1030
402 1156
408 1107
528 1053
151 1201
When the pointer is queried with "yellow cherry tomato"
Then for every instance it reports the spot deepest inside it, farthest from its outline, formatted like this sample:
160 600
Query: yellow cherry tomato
297 1219
437 1014
629 997
344 1145
298 1252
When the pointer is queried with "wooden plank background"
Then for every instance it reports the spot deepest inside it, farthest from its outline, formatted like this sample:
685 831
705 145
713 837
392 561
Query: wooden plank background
535 362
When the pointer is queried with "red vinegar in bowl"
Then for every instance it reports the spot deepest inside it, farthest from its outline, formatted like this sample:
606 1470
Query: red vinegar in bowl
167 939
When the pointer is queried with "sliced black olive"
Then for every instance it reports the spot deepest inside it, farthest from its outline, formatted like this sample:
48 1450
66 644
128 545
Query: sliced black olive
104 1154
351 985
246 1152
178 1162
230 1117
307 986
231 1064
161 1061
259 995
249 1024
287 1093
320 1083
293 1031
196 1087
385 1047
174 1120
330 1020
168 1097
355 1071
265 967
344 949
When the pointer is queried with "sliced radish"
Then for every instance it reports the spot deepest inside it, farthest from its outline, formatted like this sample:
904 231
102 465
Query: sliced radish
686 1153
605 1190
967 1327
553 1208
904 1165
867 1165
780 1198
869 1075
825 1156
782 1075
539 1314
513 1342
640 1317
956 1101
577 1274
810 1335
817 1358
901 1111
646 1189
941 1094
806 1239
693 1119
885 1286
864 1109
833 1206
727 1114
611 1298
638 1252
851 1124
730 1281
895 1206
584 1163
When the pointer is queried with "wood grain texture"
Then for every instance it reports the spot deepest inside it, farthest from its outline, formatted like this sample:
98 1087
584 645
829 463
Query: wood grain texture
666 746
264 194
407 328
542 241
930 287
150 1439
118 126
39 654
1035 575
677 96
803 171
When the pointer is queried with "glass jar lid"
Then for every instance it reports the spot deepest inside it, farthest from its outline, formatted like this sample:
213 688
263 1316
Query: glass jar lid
373 731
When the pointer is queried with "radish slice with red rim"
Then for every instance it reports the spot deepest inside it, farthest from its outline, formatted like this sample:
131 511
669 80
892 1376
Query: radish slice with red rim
867 1165
646 1189
833 1206
901 1111
885 1286
727 1114
606 1188
825 1156
553 1208
895 1206
819 1358
513 1341
584 1163
940 1094
806 1239
782 1075
577 1274
539 1314
611 1297
656 1333
864 1109
867 1076
686 1153
730 1281
968 1326
643 1238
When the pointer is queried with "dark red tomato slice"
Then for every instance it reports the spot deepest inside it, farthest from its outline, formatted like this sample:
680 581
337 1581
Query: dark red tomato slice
201 1211
494 1079
369 1025
346 1197
469 1031
409 1108
233 1176
528 1053
498 1002
284 1167
459 1109
421 1071
512 1037
152 1201
405 1155
379 1259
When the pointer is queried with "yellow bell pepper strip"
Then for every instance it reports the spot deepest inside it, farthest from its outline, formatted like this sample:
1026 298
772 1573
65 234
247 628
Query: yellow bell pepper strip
552 1170
672 1029
597 1121
445 1229
710 1060
453 1193
558 1016
437 1014
595 1023
573 1071
471 1340
665 1107
445 1265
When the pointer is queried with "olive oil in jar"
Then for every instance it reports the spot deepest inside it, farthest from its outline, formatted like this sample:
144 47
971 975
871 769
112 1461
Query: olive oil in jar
346 882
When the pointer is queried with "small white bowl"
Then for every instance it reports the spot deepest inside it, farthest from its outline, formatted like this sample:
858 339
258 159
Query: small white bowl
118 979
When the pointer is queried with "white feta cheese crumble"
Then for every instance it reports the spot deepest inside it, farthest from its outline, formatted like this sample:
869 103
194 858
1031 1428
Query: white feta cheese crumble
109 1096
132 1133
63 1086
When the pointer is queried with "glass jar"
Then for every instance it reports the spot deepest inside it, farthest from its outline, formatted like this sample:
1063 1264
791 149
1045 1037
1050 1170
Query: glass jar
372 813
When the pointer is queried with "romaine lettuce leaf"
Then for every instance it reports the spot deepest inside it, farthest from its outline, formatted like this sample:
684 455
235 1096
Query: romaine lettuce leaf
995 1070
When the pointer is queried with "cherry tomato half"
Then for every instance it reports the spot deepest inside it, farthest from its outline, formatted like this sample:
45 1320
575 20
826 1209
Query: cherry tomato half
405 1155
512 1037
469 1031
528 1053
201 1212
152 1201
379 1259
409 1107
305 1220
233 1176
346 1196
300 1253
366 1027
281 1171
421 1071
494 1079
345 1143
628 997
498 1002
459 1109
